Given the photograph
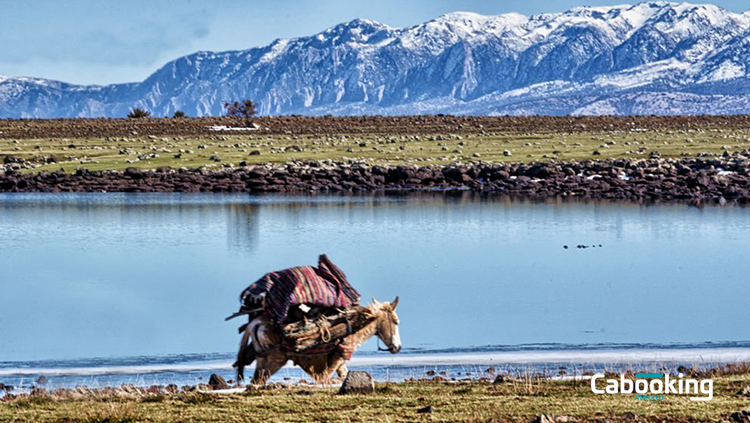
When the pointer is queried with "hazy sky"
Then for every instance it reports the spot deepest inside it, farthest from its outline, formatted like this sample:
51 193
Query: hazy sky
106 41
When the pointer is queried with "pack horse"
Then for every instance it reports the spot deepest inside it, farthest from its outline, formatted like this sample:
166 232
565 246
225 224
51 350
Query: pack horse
310 316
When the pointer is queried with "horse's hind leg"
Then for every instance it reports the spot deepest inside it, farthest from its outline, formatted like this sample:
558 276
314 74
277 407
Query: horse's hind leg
245 356
267 366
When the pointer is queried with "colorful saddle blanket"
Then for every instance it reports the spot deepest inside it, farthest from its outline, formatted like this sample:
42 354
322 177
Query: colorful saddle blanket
322 286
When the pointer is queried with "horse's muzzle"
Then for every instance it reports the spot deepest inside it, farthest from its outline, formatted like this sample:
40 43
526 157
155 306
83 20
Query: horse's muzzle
394 349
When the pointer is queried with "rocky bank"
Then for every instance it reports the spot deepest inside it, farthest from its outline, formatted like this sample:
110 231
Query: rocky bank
721 179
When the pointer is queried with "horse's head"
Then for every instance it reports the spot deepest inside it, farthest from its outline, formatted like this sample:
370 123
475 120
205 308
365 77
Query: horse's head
387 324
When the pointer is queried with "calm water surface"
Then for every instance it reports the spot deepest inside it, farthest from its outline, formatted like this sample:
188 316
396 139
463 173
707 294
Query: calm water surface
113 275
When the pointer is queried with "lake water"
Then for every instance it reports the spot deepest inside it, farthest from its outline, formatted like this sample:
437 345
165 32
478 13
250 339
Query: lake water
152 276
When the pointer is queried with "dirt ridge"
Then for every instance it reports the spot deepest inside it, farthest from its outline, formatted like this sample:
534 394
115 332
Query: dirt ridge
327 125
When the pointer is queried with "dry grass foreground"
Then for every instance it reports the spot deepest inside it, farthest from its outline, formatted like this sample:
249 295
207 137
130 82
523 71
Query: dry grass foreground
475 401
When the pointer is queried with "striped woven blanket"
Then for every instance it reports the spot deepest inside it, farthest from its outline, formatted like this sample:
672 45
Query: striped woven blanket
323 286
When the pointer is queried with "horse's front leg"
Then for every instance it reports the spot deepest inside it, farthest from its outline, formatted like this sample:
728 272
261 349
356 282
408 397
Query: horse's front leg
342 370
337 363
267 365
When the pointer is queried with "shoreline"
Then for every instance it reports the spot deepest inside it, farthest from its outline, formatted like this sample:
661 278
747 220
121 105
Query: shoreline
707 180
405 366
507 398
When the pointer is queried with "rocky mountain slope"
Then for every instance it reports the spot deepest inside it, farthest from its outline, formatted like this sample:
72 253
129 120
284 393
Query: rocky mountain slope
650 58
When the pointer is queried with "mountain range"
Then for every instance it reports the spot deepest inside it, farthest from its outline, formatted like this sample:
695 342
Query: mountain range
649 58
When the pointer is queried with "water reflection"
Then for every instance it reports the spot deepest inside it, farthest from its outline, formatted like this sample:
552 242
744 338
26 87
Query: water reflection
243 226
122 274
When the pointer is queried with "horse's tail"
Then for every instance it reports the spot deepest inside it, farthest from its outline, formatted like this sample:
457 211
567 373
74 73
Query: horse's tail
245 356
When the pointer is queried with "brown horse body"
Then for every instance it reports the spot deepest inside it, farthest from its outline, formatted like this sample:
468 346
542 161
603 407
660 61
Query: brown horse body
320 366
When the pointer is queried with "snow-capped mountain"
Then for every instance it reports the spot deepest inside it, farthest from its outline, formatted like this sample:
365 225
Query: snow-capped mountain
650 58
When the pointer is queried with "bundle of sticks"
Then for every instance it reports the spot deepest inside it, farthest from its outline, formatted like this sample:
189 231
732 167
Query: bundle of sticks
310 333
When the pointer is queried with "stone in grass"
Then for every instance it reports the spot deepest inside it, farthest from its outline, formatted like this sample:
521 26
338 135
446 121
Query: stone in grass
217 382
744 392
428 409
543 418
504 379
740 416
357 382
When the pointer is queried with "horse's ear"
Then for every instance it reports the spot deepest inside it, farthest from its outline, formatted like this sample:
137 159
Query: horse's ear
374 301
394 303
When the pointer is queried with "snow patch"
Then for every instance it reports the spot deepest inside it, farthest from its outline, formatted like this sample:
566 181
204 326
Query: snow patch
223 128
727 70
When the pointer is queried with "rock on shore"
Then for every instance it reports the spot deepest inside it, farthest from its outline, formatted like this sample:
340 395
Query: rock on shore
690 179
357 382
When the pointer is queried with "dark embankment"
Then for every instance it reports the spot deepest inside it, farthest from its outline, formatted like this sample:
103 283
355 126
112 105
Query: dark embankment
388 125
708 180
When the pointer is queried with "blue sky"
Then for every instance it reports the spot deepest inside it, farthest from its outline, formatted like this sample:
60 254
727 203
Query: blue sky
106 41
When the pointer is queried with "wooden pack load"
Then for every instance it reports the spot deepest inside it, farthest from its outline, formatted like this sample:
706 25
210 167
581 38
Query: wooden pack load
322 330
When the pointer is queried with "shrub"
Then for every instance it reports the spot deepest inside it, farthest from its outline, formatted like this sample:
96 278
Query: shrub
244 109
137 113
178 114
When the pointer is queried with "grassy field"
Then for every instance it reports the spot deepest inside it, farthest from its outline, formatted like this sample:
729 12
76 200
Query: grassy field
117 153
452 402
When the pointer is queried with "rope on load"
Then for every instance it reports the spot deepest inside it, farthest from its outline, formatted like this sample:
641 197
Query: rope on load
325 334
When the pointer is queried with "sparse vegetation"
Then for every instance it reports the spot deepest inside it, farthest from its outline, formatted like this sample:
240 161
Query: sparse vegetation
476 401
118 144
138 113
150 152
178 114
